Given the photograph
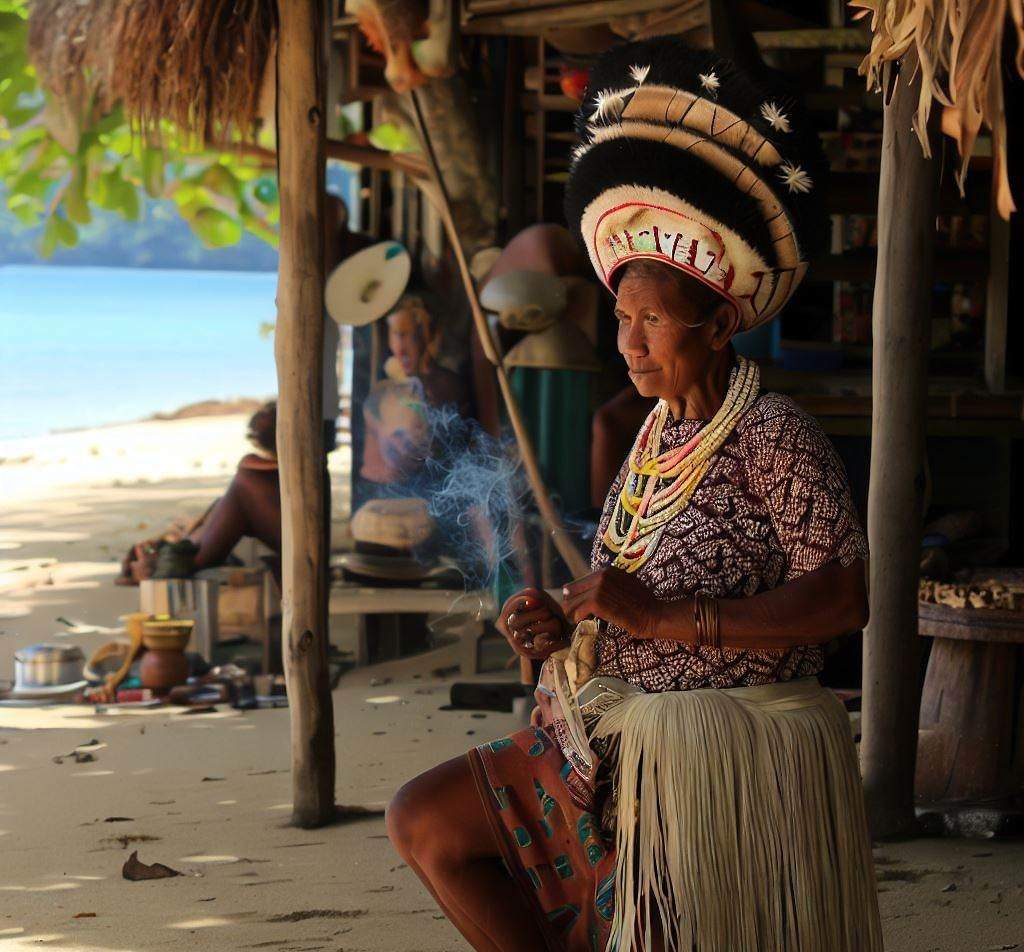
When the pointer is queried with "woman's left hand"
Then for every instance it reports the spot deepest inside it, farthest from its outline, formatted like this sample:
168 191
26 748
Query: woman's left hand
613 596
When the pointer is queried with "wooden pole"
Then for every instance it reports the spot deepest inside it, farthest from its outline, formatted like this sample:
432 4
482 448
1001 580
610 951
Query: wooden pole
561 539
997 301
299 352
901 318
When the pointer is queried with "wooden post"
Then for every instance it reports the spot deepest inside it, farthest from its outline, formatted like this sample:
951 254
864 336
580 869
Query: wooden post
997 301
299 352
901 317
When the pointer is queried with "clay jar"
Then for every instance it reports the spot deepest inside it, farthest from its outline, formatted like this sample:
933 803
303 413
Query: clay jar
164 664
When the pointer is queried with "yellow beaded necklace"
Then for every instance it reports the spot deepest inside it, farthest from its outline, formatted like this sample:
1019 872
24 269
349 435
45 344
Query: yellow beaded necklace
660 485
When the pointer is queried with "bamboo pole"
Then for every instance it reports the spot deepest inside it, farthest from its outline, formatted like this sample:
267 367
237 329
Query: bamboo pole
299 349
901 317
571 555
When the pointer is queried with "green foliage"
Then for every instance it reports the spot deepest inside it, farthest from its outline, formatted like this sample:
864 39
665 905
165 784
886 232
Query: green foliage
59 159
392 137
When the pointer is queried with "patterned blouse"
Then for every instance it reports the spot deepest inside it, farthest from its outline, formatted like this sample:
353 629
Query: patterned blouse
774 504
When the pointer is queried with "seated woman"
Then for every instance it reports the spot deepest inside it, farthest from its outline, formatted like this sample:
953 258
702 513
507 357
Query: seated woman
688 785
251 507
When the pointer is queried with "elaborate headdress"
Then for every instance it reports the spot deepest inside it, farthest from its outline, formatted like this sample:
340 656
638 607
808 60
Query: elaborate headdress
686 160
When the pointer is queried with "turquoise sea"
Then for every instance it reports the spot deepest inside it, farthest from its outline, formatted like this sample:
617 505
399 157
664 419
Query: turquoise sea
87 346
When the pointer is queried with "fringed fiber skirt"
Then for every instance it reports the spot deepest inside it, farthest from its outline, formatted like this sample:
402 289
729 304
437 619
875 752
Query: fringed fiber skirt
740 825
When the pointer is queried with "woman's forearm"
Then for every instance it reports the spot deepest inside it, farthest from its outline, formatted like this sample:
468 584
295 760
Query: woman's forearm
812 609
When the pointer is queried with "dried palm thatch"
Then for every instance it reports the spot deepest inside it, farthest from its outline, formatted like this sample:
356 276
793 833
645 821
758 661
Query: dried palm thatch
959 45
197 63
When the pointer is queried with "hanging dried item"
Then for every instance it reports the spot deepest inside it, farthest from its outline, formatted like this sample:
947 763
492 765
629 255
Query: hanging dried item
959 50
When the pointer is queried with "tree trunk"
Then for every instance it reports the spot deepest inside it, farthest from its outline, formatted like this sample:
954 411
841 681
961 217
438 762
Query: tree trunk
901 329
299 350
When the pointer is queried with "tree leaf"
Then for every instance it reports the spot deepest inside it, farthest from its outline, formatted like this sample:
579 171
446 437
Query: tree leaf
219 180
48 243
393 138
67 233
30 182
128 201
216 228
153 172
75 203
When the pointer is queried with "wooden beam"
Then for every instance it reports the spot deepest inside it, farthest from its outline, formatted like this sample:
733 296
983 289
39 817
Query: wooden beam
533 22
824 38
299 351
372 158
901 318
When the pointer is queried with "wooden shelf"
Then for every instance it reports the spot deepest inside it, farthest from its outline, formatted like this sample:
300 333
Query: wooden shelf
859 267
841 400
815 38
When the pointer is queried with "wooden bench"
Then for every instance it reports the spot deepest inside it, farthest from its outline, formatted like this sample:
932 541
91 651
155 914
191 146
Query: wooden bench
456 614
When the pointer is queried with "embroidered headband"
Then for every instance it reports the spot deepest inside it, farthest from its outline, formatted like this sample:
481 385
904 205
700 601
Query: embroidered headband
684 159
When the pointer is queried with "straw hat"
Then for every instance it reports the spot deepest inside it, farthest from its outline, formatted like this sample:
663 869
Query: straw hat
366 285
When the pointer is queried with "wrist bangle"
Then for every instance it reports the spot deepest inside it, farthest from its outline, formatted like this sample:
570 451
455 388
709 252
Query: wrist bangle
705 621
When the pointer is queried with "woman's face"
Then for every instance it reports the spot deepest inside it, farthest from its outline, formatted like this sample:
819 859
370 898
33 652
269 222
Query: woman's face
665 356
406 342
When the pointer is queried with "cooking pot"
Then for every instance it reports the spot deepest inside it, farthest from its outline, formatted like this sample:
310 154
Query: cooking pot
47 666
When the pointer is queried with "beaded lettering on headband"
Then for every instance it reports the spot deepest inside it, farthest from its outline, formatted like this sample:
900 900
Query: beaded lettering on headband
675 246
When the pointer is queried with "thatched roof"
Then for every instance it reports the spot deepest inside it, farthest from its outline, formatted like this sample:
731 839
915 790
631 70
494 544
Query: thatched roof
198 63
959 51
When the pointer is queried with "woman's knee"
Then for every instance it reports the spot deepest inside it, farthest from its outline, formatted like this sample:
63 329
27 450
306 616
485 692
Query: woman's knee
427 817
403 819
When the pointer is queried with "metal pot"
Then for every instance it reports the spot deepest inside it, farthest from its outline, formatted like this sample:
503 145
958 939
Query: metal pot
46 666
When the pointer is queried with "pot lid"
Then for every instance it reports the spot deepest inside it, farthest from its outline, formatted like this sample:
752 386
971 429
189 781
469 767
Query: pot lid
49 653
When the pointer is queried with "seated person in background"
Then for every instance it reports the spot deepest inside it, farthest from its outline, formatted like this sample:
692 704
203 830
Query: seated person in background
397 430
250 507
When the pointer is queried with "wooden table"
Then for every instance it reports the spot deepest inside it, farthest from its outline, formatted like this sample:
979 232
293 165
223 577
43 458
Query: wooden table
971 740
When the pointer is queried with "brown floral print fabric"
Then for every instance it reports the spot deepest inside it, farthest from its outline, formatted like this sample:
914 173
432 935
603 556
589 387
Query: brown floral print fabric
774 504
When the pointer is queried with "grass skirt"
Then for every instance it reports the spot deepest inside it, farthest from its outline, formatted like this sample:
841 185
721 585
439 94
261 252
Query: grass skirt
740 820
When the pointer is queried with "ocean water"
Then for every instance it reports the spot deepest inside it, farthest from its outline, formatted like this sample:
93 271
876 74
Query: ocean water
86 346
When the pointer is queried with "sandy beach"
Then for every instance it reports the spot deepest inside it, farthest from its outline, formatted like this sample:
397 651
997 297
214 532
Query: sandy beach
209 794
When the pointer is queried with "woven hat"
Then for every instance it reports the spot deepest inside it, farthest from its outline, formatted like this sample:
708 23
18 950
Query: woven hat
686 160
366 285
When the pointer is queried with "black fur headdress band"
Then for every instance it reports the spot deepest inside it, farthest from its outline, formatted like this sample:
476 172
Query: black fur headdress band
684 159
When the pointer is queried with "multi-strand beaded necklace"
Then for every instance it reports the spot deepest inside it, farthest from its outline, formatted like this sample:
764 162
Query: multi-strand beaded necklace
660 485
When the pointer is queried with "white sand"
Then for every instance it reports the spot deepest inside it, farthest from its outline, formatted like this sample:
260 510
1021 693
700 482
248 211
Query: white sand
133 453
255 883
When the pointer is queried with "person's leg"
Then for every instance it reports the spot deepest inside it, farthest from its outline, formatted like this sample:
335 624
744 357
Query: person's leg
440 827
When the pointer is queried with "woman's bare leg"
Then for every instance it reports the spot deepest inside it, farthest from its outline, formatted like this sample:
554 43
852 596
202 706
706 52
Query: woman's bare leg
438 824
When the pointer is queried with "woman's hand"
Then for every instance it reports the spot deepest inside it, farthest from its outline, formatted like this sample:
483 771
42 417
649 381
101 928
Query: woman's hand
613 596
533 624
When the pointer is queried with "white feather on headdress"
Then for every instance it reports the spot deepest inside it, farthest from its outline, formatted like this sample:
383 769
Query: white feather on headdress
608 106
709 81
639 73
795 178
775 117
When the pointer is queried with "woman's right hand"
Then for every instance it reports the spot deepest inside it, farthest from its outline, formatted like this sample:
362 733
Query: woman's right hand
534 624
